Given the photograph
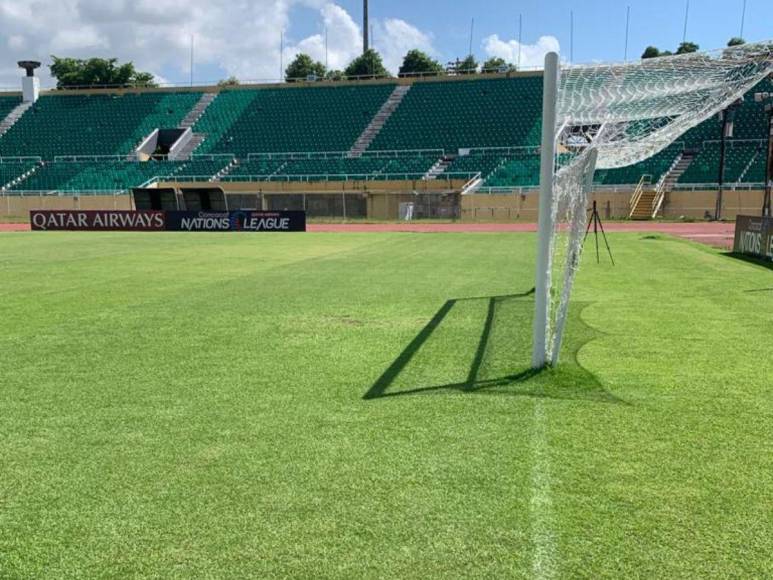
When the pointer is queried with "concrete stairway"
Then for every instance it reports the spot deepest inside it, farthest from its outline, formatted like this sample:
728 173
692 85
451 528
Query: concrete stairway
185 153
644 207
197 111
378 121
439 167
749 165
21 178
225 171
190 120
13 116
681 165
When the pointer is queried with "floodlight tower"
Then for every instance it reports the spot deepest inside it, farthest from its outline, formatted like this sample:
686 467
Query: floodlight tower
365 27
30 84
767 98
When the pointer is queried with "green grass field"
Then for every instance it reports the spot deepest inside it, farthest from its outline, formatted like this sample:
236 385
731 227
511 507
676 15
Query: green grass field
359 405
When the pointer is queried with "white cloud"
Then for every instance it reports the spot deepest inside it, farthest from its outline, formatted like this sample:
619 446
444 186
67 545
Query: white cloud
532 55
344 39
394 37
16 42
239 37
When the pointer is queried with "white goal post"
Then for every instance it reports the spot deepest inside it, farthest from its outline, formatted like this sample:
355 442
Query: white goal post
613 115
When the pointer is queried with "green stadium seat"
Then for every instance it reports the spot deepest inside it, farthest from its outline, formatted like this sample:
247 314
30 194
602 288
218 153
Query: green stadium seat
464 114
63 125
290 119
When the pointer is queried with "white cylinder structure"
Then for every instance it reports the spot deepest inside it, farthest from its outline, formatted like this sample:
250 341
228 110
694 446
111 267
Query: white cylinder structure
546 225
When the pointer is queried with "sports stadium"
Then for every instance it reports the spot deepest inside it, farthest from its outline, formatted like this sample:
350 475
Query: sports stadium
346 327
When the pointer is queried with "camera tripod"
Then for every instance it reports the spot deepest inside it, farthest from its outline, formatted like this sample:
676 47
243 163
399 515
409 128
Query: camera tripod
595 221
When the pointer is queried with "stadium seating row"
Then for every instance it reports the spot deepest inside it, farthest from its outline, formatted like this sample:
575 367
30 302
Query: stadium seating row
59 125
7 104
332 169
738 155
291 119
101 175
433 115
466 114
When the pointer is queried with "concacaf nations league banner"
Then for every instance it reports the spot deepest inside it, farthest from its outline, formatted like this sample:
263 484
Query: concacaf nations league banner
169 221
754 236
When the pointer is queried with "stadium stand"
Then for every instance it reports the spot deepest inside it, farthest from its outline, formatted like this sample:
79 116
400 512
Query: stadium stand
7 104
204 168
93 124
290 119
287 133
331 168
705 166
464 114
484 163
520 171
112 175
756 171
655 167
12 171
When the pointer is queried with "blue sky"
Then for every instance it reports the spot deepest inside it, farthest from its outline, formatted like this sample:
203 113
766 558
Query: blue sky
242 37
599 25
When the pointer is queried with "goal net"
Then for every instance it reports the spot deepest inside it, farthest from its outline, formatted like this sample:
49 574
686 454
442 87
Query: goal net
608 116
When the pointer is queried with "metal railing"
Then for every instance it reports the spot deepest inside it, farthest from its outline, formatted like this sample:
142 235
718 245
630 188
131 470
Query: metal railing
209 83
508 190
386 154
646 179
61 192
344 177
512 150
27 159
715 185
96 158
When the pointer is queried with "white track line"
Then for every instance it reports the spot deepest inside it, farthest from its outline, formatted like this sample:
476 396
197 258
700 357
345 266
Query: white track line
543 563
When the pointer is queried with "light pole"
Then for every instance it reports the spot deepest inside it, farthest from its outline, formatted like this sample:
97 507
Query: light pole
767 98
365 25
726 118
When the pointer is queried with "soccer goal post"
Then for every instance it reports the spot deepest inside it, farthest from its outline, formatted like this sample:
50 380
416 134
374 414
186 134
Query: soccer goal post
605 116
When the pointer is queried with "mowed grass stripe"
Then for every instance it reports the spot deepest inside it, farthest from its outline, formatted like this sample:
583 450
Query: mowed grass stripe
195 408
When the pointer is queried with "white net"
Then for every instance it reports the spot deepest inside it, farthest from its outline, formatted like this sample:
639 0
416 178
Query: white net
610 116
631 111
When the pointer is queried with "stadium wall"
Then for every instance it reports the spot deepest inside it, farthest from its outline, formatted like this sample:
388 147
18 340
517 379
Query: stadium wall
385 205
18 207
612 205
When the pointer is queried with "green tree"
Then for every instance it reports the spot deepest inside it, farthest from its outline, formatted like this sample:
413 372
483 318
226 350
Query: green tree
736 41
687 47
368 64
229 82
302 67
469 66
496 64
417 62
651 52
335 75
75 72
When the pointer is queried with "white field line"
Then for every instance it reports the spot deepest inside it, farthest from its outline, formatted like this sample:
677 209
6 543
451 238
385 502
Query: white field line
543 563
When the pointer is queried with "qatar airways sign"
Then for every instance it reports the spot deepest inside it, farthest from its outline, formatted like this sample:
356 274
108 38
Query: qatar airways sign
108 221
170 221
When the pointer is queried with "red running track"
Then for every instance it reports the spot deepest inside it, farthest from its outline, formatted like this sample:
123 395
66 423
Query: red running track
712 233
